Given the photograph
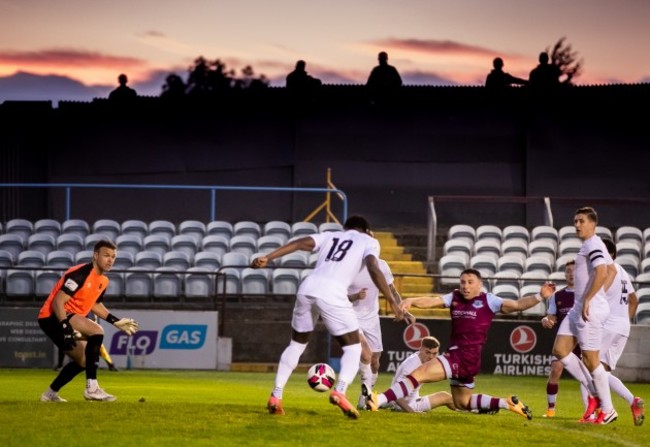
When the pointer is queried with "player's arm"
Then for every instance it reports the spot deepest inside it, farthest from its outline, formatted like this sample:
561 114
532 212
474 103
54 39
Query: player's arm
304 243
422 302
128 325
600 274
379 280
528 301
632 304
361 294
408 316
58 304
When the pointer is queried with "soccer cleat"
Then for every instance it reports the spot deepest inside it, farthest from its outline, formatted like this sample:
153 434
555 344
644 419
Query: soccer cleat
516 406
362 398
593 403
274 405
112 367
605 418
638 411
51 396
372 401
550 413
348 409
98 394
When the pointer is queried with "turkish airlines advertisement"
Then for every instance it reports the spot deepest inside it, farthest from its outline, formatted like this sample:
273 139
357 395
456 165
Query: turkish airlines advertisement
513 348
165 340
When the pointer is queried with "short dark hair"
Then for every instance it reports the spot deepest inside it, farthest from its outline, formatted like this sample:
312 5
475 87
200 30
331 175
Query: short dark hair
568 263
430 342
472 272
611 247
104 243
357 223
588 211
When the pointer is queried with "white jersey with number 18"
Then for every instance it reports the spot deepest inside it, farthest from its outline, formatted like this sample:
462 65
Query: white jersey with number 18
340 259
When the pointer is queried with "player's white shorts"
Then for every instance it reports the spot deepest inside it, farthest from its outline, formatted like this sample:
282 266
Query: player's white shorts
371 329
588 333
612 348
337 315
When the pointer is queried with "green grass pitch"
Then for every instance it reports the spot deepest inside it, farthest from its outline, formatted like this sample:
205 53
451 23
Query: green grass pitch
207 408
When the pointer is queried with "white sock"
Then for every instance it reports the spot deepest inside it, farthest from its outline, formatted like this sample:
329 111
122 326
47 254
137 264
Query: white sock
601 382
619 388
373 382
365 372
288 362
572 364
585 396
349 366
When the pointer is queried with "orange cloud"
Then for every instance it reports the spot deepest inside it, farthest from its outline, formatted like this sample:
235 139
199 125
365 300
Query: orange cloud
443 48
64 57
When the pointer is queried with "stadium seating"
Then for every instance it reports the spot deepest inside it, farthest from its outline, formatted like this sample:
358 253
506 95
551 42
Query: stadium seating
216 243
533 278
489 232
510 263
138 283
543 247
158 243
148 260
194 228
19 283
516 232
629 233
645 265
460 231
330 226
544 232
31 258
177 260
278 228
197 282
92 239
285 281
630 264
167 283
243 243
604 233
6 258
21 227
229 280
297 259
506 277
643 313
13 243
208 260
76 226
268 243
486 264
135 227
458 246
70 242
629 248
561 261
558 278
131 243
83 257
44 281
569 246
221 228
515 246
247 228
162 227
109 228
539 263
48 226
115 284
507 291
42 242
303 229
450 267
123 260
255 281
185 243
488 246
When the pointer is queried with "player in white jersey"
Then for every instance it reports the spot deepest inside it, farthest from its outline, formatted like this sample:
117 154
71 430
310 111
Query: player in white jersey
365 300
413 402
584 322
323 293
622 304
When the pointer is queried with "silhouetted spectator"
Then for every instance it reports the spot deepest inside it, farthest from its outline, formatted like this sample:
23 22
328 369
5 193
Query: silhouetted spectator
123 93
384 76
498 78
174 88
298 80
546 75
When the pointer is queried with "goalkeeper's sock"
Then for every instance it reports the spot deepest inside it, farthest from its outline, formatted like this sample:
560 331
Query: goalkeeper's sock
93 343
67 373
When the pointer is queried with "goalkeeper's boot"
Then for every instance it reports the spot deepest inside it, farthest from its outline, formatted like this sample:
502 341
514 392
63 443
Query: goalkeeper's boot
274 405
638 411
51 396
94 392
337 398
112 367
517 406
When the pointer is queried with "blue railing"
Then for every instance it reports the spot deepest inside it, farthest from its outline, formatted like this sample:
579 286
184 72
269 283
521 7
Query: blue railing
212 188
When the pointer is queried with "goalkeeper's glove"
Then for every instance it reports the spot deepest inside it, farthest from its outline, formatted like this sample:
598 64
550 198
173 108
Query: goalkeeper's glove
128 325
68 335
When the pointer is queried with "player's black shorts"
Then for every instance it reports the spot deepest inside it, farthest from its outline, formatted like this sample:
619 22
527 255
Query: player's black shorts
52 329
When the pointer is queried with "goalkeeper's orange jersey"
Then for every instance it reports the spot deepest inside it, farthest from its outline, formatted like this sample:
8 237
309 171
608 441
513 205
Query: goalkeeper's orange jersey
85 287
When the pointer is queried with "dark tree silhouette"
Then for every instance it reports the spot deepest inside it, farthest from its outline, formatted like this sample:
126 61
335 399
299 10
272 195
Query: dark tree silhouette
566 60
213 78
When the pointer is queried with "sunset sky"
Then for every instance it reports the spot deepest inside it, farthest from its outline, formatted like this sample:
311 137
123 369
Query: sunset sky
92 41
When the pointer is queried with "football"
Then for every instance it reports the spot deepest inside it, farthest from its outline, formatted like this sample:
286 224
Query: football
321 377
